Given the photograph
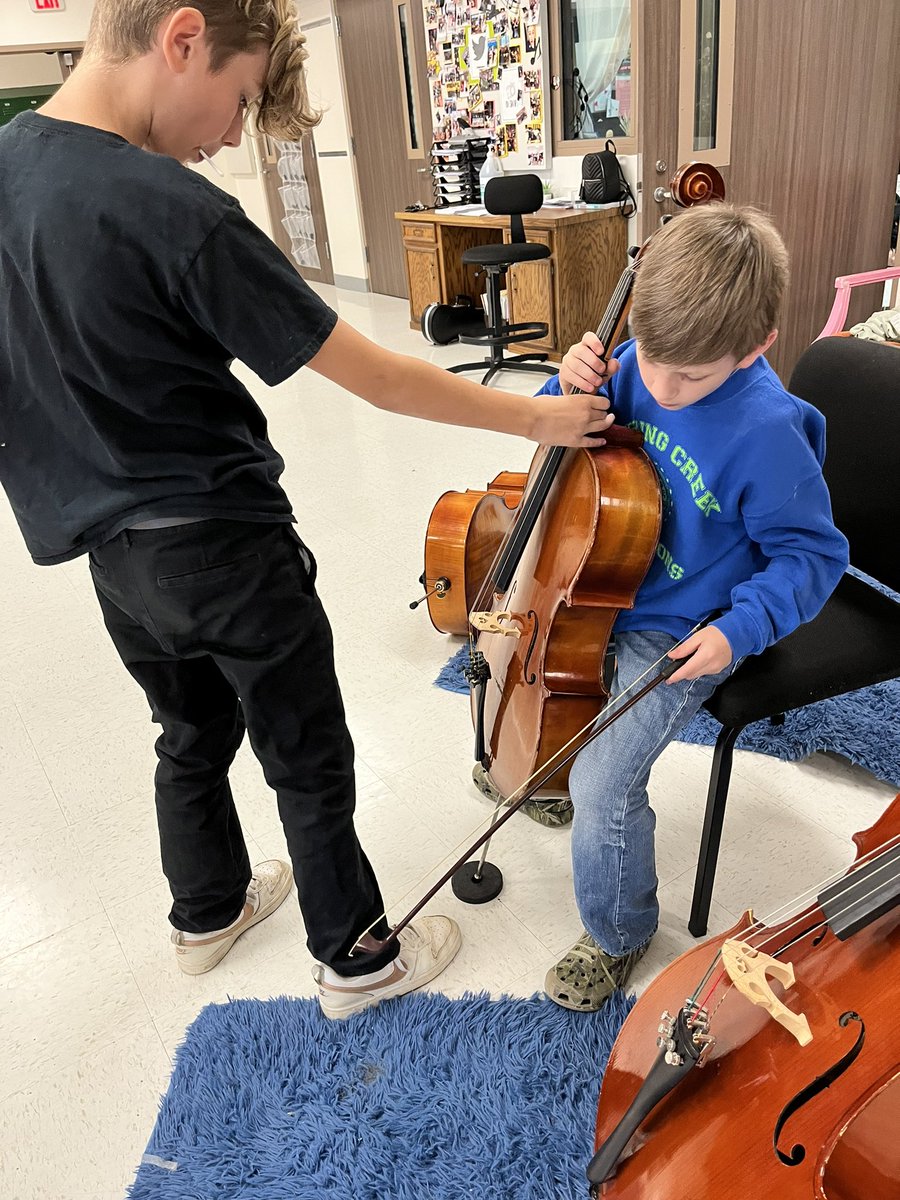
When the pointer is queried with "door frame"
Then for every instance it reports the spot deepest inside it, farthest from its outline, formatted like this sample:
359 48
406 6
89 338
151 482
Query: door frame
344 13
830 196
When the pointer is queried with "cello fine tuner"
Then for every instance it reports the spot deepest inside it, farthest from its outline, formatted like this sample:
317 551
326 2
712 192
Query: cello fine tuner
698 1021
495 622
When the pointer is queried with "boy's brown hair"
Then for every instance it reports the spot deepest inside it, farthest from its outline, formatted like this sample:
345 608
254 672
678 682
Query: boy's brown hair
122 30
710 284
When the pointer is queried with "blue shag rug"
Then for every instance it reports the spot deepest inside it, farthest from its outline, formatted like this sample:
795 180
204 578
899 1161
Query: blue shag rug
426 1099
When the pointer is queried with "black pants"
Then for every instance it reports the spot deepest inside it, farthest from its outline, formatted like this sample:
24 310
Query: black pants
220 624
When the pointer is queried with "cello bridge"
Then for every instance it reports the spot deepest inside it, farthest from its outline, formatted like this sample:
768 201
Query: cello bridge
495 622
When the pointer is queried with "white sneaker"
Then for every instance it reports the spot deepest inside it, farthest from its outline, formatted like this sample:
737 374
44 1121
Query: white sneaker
269 887
426 947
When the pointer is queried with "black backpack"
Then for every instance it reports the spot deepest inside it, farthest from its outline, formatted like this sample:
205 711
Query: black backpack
602 181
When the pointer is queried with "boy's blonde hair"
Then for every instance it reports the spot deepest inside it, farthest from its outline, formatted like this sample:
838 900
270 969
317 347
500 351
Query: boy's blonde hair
710 284
122 30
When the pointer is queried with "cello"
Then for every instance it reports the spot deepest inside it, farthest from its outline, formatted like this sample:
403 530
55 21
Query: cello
581 534
792 1028
465 529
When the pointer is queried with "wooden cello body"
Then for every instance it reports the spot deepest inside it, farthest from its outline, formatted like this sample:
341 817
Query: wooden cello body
764 1115
591 547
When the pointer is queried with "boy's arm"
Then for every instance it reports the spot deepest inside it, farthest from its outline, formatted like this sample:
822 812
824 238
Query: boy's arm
419 389
807 557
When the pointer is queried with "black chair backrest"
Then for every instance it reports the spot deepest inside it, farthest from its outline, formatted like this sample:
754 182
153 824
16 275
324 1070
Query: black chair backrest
856 386
513 195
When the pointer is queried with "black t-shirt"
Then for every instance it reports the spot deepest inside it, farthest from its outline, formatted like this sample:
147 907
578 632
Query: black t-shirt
128 284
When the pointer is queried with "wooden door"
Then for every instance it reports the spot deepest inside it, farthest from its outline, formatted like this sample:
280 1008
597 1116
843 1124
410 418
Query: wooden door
423 272
814 134
381 43
273 184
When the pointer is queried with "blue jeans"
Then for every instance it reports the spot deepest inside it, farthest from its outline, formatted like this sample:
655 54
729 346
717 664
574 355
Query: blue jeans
613 853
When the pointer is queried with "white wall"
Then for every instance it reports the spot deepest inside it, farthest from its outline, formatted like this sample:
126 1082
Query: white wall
28 70
332 137
20 25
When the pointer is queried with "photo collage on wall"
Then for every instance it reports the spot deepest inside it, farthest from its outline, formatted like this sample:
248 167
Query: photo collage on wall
486 72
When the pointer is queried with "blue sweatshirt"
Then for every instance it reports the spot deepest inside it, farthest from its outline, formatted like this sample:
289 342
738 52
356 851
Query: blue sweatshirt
747 528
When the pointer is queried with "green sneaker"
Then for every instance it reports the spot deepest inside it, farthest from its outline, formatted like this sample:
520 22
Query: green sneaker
552 813
586 978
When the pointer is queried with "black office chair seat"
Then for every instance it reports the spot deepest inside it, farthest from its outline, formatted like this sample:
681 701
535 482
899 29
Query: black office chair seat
854 642
512 196
498 255
861 628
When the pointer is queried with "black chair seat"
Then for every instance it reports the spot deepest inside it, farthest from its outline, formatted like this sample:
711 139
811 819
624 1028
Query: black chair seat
861 628
855 640
512 196
499 255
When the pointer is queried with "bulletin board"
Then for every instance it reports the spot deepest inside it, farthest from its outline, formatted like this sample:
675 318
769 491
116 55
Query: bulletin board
486 67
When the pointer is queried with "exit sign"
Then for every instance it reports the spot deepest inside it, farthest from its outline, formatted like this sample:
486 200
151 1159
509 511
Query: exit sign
48 5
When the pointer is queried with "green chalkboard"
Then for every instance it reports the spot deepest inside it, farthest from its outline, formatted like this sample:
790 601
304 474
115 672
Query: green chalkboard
16 100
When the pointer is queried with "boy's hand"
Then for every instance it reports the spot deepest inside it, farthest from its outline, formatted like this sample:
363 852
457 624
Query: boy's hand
583 368
711 654
569 420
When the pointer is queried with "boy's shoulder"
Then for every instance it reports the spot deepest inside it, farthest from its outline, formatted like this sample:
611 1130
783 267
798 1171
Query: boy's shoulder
765 404
97 177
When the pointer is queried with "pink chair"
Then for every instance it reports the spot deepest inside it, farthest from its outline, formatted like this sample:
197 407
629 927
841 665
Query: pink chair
843 284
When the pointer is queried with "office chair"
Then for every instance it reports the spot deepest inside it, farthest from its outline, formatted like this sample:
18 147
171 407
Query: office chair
854 642
507 195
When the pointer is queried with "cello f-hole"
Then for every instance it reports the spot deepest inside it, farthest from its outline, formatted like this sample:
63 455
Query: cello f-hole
532 678
819 1084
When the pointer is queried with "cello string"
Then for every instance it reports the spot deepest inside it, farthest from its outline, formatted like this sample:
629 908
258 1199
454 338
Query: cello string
789 906
856 899
872 857
611 316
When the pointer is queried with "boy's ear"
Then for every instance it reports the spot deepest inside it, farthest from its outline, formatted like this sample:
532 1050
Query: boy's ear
181 37
754 354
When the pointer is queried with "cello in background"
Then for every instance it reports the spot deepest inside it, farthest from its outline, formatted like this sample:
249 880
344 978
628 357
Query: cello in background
465 531
797 1091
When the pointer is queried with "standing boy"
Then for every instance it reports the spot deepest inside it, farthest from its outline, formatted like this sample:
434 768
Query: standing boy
130 284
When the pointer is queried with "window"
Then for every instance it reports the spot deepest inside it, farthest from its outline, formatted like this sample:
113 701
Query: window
706 79
592 82
407 63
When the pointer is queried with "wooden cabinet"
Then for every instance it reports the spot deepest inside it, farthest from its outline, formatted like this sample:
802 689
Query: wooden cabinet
423 272
530 294
568 292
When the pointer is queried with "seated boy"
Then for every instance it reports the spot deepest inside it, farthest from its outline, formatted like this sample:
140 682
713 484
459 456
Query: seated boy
129 285
747 535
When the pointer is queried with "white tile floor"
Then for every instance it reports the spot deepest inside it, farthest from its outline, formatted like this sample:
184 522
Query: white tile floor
91 1004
